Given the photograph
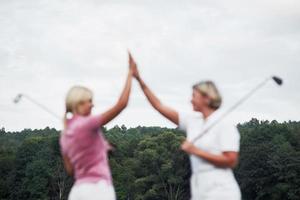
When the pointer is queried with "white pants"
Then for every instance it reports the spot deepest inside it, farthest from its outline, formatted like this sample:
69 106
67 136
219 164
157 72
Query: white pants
92 191
214 185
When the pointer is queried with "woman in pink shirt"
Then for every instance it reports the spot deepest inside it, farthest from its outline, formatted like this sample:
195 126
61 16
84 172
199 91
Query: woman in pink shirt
83 146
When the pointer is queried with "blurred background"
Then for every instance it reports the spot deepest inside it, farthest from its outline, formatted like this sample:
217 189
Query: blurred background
48 46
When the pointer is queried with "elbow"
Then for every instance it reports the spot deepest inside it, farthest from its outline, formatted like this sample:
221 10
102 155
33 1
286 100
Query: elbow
68 169
228 163
232 163
69 172
68 166
231 159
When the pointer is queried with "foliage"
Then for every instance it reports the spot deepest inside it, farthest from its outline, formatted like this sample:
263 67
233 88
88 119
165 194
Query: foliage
148 165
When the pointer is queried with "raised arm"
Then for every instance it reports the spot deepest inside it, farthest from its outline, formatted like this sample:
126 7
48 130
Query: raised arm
123 100
166 111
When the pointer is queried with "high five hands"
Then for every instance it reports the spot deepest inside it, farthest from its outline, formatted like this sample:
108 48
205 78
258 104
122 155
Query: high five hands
168 112
133 67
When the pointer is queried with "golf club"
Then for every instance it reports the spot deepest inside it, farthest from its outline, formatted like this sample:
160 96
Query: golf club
276 79
18 98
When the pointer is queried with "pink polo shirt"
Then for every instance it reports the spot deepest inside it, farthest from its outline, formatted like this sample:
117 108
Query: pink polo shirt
86 148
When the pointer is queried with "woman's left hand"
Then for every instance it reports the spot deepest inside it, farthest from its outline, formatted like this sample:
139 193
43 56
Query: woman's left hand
132 64
188 147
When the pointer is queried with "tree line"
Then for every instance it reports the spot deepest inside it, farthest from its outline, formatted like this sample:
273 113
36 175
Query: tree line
147 163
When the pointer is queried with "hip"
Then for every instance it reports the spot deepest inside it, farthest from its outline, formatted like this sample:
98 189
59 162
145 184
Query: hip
93 191
214 184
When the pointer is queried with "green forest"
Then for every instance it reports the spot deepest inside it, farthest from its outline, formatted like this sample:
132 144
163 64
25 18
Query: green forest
148 165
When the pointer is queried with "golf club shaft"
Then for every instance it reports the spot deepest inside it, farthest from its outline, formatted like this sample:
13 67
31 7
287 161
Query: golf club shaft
232 108
42 107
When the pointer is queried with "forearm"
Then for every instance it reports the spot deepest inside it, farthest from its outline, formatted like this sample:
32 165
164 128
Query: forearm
154 101
166 111
217 160
111 113
67 165
123 100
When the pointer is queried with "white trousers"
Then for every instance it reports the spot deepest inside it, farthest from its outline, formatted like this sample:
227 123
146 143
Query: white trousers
92 191
214 185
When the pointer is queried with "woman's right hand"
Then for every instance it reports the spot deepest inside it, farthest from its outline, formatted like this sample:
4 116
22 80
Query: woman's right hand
169 113
111 113
133 67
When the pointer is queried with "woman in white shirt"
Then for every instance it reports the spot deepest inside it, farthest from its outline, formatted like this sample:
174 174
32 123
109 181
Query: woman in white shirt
215 154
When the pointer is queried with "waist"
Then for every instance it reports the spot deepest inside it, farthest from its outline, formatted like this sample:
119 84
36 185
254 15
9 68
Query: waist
97 190
93 180
202 166
215 173
93 174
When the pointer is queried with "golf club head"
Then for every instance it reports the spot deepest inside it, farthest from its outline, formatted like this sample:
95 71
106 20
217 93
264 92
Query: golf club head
277 80
17 98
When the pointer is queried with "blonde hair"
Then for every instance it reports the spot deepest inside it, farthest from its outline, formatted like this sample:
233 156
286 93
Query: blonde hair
76 95
209 89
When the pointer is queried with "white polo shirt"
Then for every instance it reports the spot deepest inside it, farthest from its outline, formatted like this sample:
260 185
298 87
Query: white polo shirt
222 137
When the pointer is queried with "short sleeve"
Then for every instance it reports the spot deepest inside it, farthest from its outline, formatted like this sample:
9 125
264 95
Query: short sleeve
93 122
229 138
183 121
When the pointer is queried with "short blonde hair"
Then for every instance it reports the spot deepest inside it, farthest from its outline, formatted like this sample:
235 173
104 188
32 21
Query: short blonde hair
209 89
76 95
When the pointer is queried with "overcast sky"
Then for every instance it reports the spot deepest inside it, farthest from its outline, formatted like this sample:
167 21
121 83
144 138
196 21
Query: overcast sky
47 46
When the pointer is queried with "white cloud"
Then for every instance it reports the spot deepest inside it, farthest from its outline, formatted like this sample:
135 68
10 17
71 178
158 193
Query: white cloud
47 46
